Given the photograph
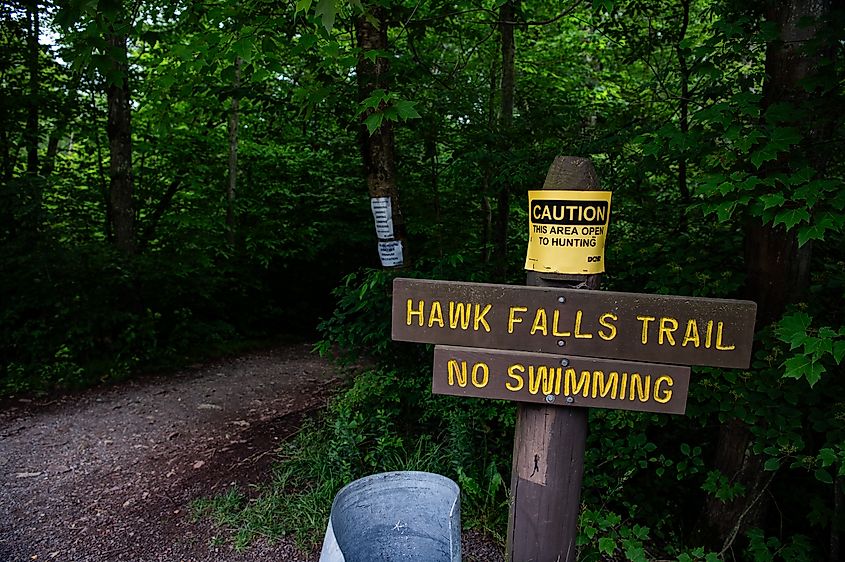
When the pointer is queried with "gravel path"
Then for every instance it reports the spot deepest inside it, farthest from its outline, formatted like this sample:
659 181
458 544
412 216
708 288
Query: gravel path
109 474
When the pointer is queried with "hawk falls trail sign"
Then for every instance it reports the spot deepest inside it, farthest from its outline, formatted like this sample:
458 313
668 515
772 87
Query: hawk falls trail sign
559 346
638 327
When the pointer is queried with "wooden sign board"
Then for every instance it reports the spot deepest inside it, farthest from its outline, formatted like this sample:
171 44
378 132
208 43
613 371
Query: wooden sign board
560 380
628 326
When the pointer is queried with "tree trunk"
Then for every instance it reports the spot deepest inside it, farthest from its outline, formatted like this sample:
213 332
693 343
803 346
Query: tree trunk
430 142
835 538
487 174
377 150
777 270
233 155
119 131
683 119
507 13
31 130
101 173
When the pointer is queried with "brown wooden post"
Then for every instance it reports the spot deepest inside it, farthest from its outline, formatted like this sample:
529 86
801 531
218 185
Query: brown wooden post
549 441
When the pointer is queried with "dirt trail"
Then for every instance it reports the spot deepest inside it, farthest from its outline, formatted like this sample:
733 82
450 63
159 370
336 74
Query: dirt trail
109 475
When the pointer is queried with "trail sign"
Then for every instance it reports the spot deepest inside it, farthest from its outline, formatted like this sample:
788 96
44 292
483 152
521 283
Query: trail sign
628 326
560 379
517 340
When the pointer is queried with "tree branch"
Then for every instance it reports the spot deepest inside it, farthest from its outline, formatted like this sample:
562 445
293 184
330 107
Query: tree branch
158 212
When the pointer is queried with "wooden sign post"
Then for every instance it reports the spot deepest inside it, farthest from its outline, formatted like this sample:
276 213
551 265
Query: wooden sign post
560 342
549 443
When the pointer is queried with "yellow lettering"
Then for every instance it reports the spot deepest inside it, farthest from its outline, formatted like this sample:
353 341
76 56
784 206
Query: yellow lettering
480 383
539 322
412 312
604 320
555 331
623 385
512 319
708 337
643 387
645 320
535 375
548 377
518 378
552 381
457 370
602 388
436 315
601 213
668 326
571 386
479 317
691 334
578 327
664 395
459 313
719 346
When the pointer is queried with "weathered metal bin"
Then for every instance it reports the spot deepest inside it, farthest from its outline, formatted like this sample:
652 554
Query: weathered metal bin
393 516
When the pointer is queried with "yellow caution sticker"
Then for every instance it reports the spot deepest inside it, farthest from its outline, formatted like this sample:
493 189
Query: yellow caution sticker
567 230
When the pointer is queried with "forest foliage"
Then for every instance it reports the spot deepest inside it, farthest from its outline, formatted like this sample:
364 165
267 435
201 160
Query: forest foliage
177 177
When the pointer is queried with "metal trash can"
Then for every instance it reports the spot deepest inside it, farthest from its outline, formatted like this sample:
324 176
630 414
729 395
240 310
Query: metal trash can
393 516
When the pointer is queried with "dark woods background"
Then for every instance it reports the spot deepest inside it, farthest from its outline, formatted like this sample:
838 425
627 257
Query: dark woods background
179 179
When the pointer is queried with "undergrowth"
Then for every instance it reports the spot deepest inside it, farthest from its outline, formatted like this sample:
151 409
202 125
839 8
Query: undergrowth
644 479
386 420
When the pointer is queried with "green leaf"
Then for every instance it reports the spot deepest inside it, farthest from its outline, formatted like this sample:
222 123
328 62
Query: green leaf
268 45
260 75
606 5
791 217
183 52
406 110
827 456
244 47
780 112
838 351
818 347
823 476
804 174
634 551
326 10
772 200
725 210
785 137
827 332
792 325
795 367
810 232
607 545
373 122
768 152
772 465
303 5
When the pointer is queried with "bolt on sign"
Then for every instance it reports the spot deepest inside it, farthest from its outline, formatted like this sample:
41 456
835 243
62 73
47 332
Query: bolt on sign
557 379
602 324
567 231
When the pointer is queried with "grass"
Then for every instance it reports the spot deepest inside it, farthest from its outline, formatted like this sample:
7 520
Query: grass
297 500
